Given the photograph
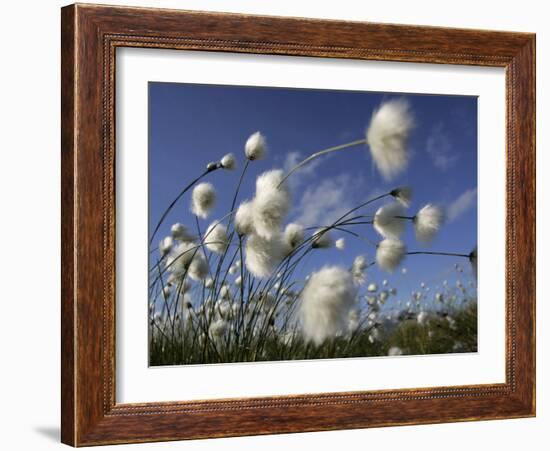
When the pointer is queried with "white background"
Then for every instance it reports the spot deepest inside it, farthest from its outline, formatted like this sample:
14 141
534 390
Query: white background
138 383
29 177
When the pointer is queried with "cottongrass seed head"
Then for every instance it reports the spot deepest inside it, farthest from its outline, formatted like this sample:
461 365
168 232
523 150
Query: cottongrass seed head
322 239
181 256
389 221
390 253
293 235
358 269
325 303
263 255
165 245
271 203
255 147
198 269
217 329
244 224
427 222
228 161
216 238
203 199
181 233
387 137
403 195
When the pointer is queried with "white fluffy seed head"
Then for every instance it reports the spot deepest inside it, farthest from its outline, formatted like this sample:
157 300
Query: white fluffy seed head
225 291
218 328
224 307
263 255
389 221
181 256
293 235
216 238
427 222
244 224
255 147
269 181
271 203
203 199
165 245
372 287
387 137
403 195
390 253
228 161
198 269
358 269
322 239
325 303
340 244
181 233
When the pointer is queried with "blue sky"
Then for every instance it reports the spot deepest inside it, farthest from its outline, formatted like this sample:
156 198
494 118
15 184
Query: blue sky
190 125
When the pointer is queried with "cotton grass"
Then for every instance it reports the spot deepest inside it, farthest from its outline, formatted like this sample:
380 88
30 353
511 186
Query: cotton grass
216 238
271 203
293 235
358 269
165 245
390 253
322 239
255 147
389 221
403 195
244 224
387 137
181 233
325 303
263 296
203 199
427 222
263 255
228 161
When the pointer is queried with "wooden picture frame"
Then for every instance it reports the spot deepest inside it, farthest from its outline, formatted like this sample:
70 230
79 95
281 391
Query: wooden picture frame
90 36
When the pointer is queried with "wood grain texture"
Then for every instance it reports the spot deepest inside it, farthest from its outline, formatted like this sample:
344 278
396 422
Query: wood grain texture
90 36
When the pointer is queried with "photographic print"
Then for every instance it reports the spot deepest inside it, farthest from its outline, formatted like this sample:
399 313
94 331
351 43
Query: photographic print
297 224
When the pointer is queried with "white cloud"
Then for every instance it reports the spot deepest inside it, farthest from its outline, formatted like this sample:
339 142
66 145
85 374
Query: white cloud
324 202
461 204
440 148
301 175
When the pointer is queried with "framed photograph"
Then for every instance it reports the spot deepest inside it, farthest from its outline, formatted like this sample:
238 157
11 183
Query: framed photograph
278 225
